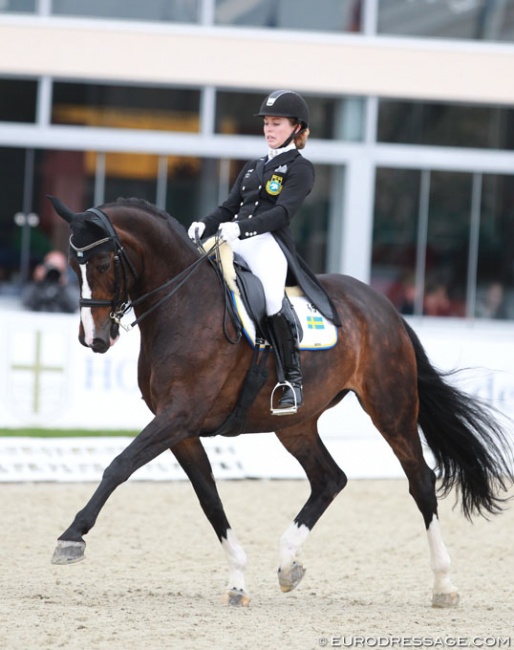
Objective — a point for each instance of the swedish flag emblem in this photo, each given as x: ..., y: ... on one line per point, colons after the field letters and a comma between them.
x: 315, y: 323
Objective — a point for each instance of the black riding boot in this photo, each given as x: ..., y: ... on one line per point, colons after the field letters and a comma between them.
x: 285, y: 340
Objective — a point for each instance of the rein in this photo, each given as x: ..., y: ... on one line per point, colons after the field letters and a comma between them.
x: 181, y: 278
x: 120, y: 307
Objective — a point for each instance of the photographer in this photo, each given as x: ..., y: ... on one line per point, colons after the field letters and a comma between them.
x: 50, y: 290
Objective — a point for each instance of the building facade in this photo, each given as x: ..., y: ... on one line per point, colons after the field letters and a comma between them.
x: 412, y: 129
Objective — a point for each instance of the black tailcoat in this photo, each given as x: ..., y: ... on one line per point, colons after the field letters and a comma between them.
x: 264, y: 198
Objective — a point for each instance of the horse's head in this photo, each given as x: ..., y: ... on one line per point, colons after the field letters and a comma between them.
x: 101, y: 265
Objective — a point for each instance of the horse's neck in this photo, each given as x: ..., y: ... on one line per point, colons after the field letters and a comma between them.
x: 161, y: 251
x: 164, y: 256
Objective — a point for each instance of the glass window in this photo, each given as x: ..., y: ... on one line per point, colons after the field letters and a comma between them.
x: 18, y: 100
x: 29, y: 227
x: 160, y: 10
x: 330, y: 117
x: 495, y: 272
x: 447, y: 251
x: 172, y: 182
x: 12, y: 170
x: 131, y: 174
x: 455, y: 19
x: 310, y: 225
x: 395, y: 235
x: 189, y: 180
x: 17, y: 6
x: 423, y: 258
x: 69, y: 175
x: 445, y: 125
x: 235, y: 113
x: 127, y: 107
x: 330, y: 15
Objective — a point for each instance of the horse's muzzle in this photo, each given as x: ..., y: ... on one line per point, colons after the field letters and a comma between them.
x: 100, y: 345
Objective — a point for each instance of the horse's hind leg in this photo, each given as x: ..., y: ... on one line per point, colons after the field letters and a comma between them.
x: 326, y: 480
x: 401, y: 433
x: 194, y: 461
x: 422, y: 488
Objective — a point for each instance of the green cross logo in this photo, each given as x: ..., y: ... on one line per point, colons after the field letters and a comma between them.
x: 37, y: 368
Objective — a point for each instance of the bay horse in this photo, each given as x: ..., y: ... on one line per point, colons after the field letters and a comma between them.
x: 192, y: 366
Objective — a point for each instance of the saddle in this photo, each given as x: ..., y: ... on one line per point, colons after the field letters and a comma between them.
x: 254, y: 301
x: 314, y: 331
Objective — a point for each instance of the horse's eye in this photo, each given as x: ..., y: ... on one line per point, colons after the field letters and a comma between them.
x: 103, y: 267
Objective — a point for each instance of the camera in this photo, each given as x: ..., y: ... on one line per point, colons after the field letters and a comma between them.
x: 52, y: 273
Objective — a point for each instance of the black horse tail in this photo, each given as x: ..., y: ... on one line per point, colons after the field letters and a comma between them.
x: 472, y: 452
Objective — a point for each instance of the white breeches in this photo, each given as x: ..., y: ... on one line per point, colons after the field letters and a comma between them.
x: 267, y: 261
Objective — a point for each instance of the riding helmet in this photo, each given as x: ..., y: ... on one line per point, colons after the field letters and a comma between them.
x: 286, y: 103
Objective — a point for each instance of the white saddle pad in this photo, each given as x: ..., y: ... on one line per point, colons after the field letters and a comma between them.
x: 318, y: 332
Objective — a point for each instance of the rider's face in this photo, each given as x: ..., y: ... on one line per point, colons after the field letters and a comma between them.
x: 277, y: 130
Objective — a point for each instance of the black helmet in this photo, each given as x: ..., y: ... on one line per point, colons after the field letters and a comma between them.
x: 286, y: 103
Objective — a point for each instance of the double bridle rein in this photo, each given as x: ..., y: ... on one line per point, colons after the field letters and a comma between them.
x: 122, y: 265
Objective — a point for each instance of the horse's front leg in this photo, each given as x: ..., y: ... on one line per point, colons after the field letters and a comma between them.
x: 326, y: 480
x: 152, y: 441
x: 194, y: 461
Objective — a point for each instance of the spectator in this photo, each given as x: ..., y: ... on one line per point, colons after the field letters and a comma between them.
x: 50, y: 290
x: 493, y: 303
x: 408, y: 299
x: 436, y: 301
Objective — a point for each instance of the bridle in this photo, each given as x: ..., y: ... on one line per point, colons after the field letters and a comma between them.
x: 122, y: 266
x: 119, y: 306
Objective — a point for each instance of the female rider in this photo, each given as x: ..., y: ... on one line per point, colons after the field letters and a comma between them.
x: 255, y: 219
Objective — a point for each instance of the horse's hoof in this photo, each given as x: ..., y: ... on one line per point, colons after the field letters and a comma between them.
x: 446, y: 600
x: 68, y: 552
x: 236, y: 598
x: 290, y: 578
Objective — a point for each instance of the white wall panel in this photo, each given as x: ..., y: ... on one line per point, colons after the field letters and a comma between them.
x: 311, y: 62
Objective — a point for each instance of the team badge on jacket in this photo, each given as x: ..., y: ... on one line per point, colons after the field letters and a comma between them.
x: 274, y: 185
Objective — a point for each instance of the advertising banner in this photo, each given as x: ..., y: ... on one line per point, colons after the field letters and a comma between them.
x: 48, y: 380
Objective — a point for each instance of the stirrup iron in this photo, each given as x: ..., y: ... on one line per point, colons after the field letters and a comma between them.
x: 288, y: 410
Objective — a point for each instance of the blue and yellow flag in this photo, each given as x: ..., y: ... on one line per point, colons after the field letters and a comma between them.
x: 315, y: 323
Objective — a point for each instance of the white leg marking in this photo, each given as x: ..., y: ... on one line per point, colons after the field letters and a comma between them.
x: 236, y: 558
x: 291, y: 544
x: 439, y: 559
x: 86, y: 317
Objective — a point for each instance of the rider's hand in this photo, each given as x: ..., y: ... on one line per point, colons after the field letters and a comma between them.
x: 229, y: 231
x: 196, y: 226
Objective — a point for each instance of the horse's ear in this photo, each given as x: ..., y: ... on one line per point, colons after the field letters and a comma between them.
x: 61, y: 209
